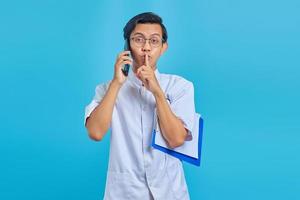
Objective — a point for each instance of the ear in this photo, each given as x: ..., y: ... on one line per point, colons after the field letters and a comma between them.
x: 164, y: 48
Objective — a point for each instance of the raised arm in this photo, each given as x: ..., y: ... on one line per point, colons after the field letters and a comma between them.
x: 99, y: 120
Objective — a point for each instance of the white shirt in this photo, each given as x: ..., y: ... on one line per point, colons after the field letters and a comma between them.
x: 136, y: 170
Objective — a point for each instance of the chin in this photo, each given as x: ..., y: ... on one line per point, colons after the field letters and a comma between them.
x: 138, y: 64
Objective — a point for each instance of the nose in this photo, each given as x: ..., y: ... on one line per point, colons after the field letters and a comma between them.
x: 146, y: 47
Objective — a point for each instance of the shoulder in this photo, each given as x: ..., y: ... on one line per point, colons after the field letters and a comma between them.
x: 175, y: 82
x: 100, y: 90
x: 102, y: 86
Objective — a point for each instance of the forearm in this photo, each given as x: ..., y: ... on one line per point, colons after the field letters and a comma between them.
x: 171, y: 127
x: 99, y: 121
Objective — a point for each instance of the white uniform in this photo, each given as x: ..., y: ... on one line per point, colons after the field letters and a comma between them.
x: 136, y: 170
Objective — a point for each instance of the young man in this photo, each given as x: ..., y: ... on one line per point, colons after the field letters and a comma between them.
x: 129, y: 106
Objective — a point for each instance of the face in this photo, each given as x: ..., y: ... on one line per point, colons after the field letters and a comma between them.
x: 138, y: 52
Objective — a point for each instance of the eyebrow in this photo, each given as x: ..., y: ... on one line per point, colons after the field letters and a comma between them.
x: 138, y: 33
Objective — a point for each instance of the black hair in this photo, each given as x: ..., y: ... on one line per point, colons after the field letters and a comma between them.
x: 144, y: 18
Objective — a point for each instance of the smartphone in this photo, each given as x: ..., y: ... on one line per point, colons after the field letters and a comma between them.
x: 126, y: 67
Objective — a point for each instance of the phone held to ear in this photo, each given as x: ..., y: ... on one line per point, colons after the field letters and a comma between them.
x: 126, y: 67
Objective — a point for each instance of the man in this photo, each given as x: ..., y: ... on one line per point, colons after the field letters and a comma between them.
x: 129, y: 106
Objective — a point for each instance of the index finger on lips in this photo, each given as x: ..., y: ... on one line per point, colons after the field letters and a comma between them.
x: 147, y: 60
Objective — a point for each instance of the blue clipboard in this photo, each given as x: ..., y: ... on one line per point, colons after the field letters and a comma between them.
x: 180, y: 156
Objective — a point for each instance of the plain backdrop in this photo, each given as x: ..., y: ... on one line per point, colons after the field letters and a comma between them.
x: 242, y: 56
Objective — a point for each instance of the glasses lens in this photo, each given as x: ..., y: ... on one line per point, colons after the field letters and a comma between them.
x: 140, y: 41
x: 155, y: 42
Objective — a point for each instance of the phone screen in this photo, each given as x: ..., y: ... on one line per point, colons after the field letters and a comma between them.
x: 126, y: 67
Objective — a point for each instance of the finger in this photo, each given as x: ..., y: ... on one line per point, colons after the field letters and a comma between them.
x: 127, y: 62
x: 144, y: 68
x: 125, y: 57
x: 120, y: 63
x: 145, y: 80
x: 139, y: 70
x: 146, y: 73
x: 123, y: 53
x: 139, y: 73
x: 147, y: 60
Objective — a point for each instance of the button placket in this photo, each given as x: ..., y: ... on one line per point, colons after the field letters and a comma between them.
x: 143, y: 94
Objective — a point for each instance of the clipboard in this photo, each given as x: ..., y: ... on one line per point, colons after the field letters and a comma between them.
x: 193, y: 155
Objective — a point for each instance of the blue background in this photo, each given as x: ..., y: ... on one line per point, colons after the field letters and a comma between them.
x: 242, y: 56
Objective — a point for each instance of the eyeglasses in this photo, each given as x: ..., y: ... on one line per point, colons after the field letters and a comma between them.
x: 140, y: 41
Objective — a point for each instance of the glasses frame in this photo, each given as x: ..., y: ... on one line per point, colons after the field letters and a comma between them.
x: 135, y: 44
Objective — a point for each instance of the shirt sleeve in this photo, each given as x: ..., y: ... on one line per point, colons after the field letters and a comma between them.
x: 181, y: 98
x: 100, y: 91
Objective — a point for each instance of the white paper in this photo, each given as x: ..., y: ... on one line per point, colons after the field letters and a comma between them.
x: 189, y: 148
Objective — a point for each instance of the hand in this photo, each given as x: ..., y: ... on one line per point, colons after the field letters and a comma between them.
x: 122, y: 59
x: 146, y: 74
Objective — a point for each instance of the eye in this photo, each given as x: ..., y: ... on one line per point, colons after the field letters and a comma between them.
x: 154, y: 41
x: 139, y: 40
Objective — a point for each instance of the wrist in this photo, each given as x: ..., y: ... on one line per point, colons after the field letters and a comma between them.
x: 159, y: 94
x: 116, y: 83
